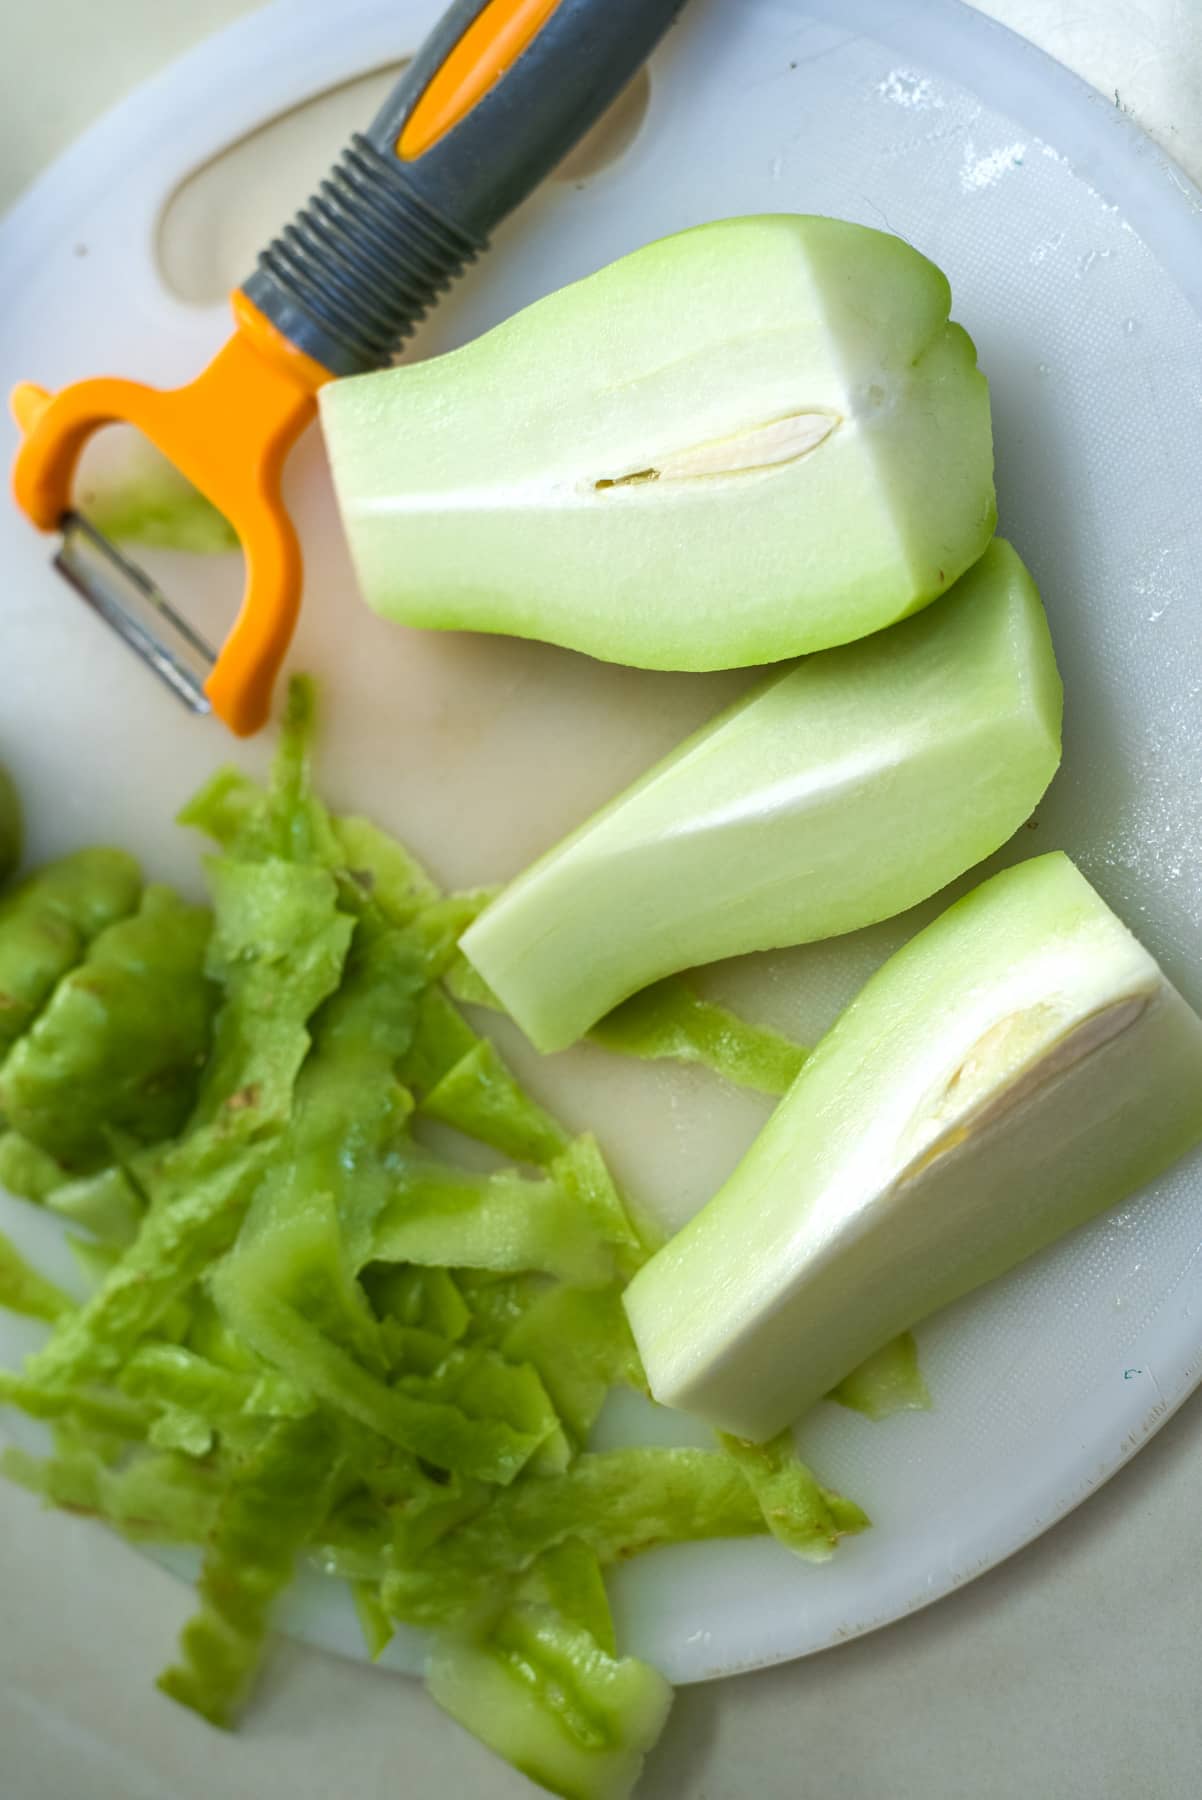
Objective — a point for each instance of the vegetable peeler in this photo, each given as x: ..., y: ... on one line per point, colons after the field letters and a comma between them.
x: 498, y: 95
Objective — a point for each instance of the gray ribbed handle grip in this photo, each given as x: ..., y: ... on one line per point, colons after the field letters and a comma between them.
x: 360, y: 265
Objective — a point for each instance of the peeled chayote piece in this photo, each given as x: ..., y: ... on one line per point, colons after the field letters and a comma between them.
x: 757, y: 438
x: 545, y: 1688
x: 839, y: 793
x: 1018, y: 1067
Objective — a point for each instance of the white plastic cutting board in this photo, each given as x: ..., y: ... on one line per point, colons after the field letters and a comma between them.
x: 1072, y: 250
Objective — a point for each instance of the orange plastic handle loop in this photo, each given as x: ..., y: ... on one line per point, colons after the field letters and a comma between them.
x: 229, y: 432
x: 488, y: 48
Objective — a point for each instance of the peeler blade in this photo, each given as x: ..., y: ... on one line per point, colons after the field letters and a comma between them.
x: 137, y: 609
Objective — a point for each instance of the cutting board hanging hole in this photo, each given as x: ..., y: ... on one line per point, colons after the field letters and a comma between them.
x: 220, y: 216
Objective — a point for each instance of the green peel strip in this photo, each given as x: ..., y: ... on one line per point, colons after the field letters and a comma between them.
x: 799, y: 1512
x: 269, y: 1511
x: 545, y: 1694
x: 670, y: 1020
x: 313, y: 1339
x: 889, y: 1382
x: 23, y: 1290
x: 619, y: 1504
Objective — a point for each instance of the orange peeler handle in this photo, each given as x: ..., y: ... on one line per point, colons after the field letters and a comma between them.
x: 500, y: 93
x: 229, y: 432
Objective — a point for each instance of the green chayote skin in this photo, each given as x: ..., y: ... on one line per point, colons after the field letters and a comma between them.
x: 48, y: 922
x: 10, y: 826
x: 119, y: 1046
x: 310, y: 1335
x: 26, y: 1170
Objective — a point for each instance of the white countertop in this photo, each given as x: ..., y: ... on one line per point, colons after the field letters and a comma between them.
x: 1071, y: 1673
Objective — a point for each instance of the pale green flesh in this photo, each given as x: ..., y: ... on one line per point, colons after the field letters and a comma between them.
x: 845, y: 475
x: 844, y: 791
x: 1020, y: 1066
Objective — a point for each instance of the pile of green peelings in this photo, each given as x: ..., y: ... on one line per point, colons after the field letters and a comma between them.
x: 311, y: 1339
